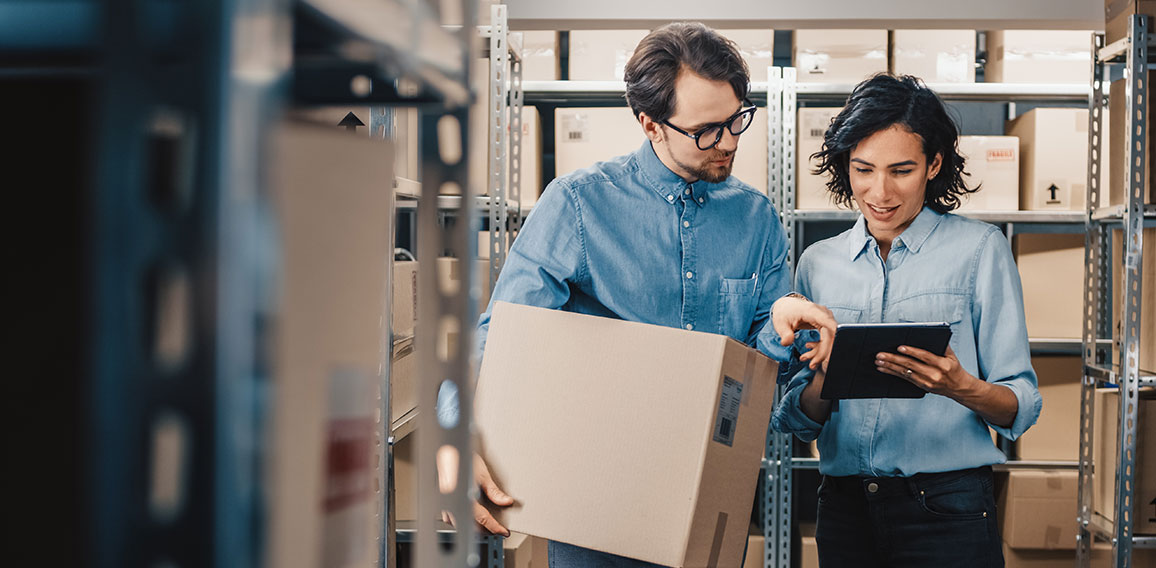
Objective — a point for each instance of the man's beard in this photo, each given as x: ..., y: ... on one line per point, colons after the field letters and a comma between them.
x: 705, y: 171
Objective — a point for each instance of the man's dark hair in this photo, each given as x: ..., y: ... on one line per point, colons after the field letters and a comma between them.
x: 662, y: 55
x: 879, y: 103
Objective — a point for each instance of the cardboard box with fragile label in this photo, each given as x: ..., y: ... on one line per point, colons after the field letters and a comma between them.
x: 840, y: 56
x: 936, y: 56
x: 1056, y: 434
x: 1106, y: 416
x: 1054, y: 158
x: 633, y: 439
x: 1038, y: 509
x: 1039, y: 56
x: 1051, y: 268
x: 811, y: 189
x: 993, y: 165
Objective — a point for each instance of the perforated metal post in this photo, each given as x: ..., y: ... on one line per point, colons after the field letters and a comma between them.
x: 1094, y: 309
x: 498, y: 141
x: 516, y: 103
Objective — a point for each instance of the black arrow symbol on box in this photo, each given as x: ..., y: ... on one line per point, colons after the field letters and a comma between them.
x: 1051, y: 188
x: 351, y: 122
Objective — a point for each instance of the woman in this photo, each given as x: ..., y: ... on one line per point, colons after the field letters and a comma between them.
x: 908, y: 482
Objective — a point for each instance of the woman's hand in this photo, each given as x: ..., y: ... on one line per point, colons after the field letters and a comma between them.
x: 997, y: 404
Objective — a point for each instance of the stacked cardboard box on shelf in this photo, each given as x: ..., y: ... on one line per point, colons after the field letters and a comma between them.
x: 811, y: 189
x: 1147, y: 295
x: 1056, y: 435
x: 601, y: 55
x: 840, y: 56
x: 1039, y: 56
x: 1106, y: 416
x: 1118, y: 141
x: 530, y: 185
x: 684, y: 503
x: 993, y: 166
x: 540, y: 56
x: 1054, y: 158
x: 1037, y: 509
x: 1118, y: 13
x: 1051, y: 268
x: 757, y: 48
x: 936, y: 56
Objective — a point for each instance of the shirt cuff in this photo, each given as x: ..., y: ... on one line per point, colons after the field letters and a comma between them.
x: 789, y: 417
x: 1029, y: 403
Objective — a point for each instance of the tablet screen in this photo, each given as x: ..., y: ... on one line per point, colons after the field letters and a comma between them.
x: 851, y: 371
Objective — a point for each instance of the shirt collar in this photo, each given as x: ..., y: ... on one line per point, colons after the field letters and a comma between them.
x: 668, y: 185
x: 912, y: 237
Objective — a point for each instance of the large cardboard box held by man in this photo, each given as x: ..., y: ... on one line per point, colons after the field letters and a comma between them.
x: 633, y: 439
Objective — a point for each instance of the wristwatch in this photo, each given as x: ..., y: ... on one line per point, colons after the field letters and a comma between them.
x: 797, y: 295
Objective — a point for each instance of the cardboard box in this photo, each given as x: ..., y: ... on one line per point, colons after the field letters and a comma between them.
x: 993, y: 163
x: 1038, y: 510
x: 404, y: 306
x: 628, y: 490
x: 840, y: 56
x: 757, y: 48
x: 936, y: 56
x: 1105, y: 466
x: 1039, y: 56
x: 756, y: 543
x: 1116, y: 151
x: 585, y: 136
x: 1118, y: 13
x: 525, y: 551
x: 405, y: 479
x: 403, y: 386
x: 809, y: 549
x: 1147, y: 347
x: 601, y: 55
x: 530, y: 185
x: 1056, y: 435
x: 540, y: 56
x: 1054, y: 158
x: 810, y: 189
x: 326, y: 341
x: 1101, y: 557
x: 1051, y: 268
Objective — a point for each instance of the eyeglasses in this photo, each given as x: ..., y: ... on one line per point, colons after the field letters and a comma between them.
x: 709, y: 136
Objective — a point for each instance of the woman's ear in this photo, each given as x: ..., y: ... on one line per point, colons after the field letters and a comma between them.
x: 934, y: 167
x: 652, y: 129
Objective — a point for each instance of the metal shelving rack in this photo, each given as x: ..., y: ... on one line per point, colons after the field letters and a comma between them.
x: 782, y: 95
x: 434, y: 208
x: 1132, y: 52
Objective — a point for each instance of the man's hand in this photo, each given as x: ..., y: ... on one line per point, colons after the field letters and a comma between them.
x: 793, y: 313
x: 447, y: 462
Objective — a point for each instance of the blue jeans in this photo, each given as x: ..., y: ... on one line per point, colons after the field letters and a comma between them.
x: 942, y: 520
x: 564, y: 555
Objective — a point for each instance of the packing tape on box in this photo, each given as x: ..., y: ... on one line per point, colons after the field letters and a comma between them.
x: 1054, y: 482
x: 1052, y: 536
x: 748, y: 374
x: 720, y: 529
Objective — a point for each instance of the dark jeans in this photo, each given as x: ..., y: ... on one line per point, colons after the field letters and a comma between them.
x: 564, y: 555
x: 938, y: 520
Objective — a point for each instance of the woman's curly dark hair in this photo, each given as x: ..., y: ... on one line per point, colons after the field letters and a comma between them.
x: 879, y: 103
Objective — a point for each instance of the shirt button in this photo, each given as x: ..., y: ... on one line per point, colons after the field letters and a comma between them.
x: 872, y: 487
x: 687, y: 191
x: 700, y: 200
x: 690, y: 327
x: 670, y: 198
x: 686, y: 223
x: 690, y: 275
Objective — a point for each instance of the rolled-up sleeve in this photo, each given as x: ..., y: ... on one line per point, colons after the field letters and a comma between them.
x: 1004, y: 353
x: 788, y: 417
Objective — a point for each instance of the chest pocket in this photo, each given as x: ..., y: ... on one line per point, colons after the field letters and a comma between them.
x: 737, y: 306
x: 935, y: 307
x: 846, y: 315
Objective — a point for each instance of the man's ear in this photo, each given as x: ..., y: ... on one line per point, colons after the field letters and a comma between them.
x: 652, y: 129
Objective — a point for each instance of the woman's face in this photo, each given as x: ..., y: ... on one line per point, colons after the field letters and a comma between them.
x: 889, y: 174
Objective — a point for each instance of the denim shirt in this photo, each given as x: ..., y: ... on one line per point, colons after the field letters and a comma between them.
x: 943, y: 267
x: 629, y: 239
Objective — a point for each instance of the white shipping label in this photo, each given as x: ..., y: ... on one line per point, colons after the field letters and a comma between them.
x: 727, y: 417
x: 575, y: 127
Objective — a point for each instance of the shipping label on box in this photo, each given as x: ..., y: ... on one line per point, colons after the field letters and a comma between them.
x: 811, y: 189
x: 593, y: 404
x: 993, y: 165
x: 1051, y: 268
x: 1038, y: 510
x: 840, y: 56
x: 936, y: 56
x: 1106, y: 464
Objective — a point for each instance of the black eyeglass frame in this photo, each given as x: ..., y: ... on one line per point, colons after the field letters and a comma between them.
x: 750, y: 108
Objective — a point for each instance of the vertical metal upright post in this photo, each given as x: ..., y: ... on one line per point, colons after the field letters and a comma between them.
x: 498, y: 140
x: 1136, y: 74
x: 516, y: 103
x: 381, y: 126
x: 790, y: 106
x: 1094, y: 298
x: 443, y: 366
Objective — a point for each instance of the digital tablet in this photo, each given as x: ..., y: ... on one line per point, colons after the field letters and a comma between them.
x: 851, y: 371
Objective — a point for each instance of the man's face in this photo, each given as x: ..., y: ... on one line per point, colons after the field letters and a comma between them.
x: 697, y: 103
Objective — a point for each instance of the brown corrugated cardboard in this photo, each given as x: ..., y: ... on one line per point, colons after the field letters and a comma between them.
x: 584, y: 136
x: 757, y: 48
x: 810, y: 189
x: 1038, y: 510
x: 404, y: 480
x: 1147, y: 331
x: 402, y: 379
x: 1051, y: 270
x: 756, y: 542
x: 404, y: 306
x: 1056, y: 434
x: 993, y: 162
x: 1117, y: 16
x: 540, y: 56
x: 1039, y: 56
x: 1117, y: 147
x: 1054, y: 158
x: 1106, y: 419
x: 840, y: 56
x: 327, y: 340
x: 601, y: 55
x: 1101, y: 557
x: 524, y: 551
x: 936, y: 56
x: 809, y: 555
x: 618, y: 393
x: 530, y: 186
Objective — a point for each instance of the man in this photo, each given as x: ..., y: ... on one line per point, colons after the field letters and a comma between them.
x: 663, y: 235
